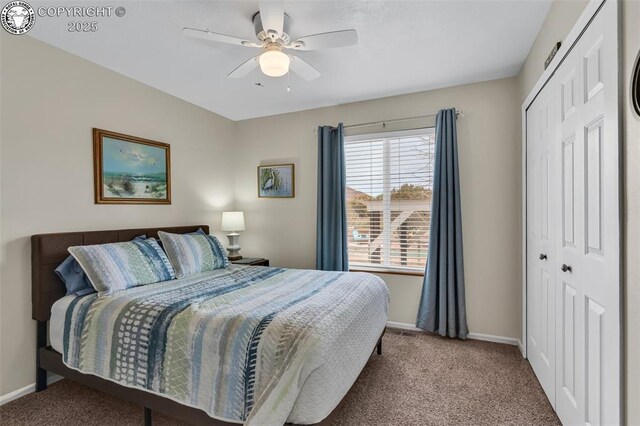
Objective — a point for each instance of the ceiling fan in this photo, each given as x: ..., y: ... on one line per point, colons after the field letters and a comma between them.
x: 272, y: 28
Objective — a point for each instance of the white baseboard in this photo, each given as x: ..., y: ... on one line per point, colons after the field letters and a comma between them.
x: 495, y: 339
x: 51, y: 378
x: 474, y: 336
x: 521, y: 347
x: 402, y: 326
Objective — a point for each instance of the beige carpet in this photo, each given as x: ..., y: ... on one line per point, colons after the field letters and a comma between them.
x: 419, y: 380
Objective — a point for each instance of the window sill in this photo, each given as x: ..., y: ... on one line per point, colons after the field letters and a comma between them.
x: 391, y: 271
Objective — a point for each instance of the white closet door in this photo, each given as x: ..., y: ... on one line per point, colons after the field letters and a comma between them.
x: 573, y: 297
x: 570, y: 151
x: 599, y: 262
x: 541, y: 242
x: 588, y: 311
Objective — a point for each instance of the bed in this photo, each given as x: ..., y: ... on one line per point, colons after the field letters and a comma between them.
x: 246, y: 344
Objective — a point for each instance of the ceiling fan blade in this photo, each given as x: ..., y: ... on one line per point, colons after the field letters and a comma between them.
x: 220, y: 38
x: 326, y: 40
x: 272, y: 16
x: 303, y: 68
x: 245, y: 68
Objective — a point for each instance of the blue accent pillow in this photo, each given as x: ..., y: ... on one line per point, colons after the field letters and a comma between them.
x: 74, y: 278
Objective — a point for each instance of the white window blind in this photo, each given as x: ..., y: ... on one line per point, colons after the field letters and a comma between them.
x: 389, y: 187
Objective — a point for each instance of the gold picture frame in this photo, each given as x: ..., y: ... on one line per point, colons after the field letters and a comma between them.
x: 130, y: 170
x: 276, y: 181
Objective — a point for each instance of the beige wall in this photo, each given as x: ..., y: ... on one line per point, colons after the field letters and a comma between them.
x: 50, y: 101
x: 631, y: 132
x: 50, y: 121
x: 488, y: 137
x: 560, y: 20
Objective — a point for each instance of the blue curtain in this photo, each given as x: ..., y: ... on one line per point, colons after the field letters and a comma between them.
x: 442, y: 304
x: 331, y: 233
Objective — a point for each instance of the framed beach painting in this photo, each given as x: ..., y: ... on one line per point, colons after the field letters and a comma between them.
x: 130, y: 170
x: 277, y: 181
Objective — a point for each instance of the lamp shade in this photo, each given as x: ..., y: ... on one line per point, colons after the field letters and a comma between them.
x: 274, y: 63
x: 232, y: 221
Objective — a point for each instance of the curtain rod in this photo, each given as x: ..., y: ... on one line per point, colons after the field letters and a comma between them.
x: 459, y: 113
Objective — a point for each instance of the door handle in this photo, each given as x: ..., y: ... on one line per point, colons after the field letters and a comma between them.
x: 566, y: 268
x: 542, y: 256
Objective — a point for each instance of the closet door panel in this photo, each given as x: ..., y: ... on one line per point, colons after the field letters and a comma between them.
x: 594, y: 368
x: 592, y: 68
x: 601, y: 247
x: 569, y: 312
x: 541, y: 329
x: 594, y: 190
x: 568, y: 370
x: 568, y: 193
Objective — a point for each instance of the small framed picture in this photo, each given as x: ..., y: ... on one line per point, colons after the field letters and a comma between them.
x: 277, y: 181
x: 130, y: 170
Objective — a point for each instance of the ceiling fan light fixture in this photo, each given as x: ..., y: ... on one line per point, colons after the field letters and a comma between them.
x: 272, y: 28
x: 274, y: 63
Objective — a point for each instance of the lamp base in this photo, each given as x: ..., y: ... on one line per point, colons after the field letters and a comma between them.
x: 234, y: 246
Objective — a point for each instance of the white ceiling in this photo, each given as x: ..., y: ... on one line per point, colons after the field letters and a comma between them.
x: 404, y: 47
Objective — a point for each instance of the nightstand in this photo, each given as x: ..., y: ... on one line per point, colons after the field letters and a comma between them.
x: 255, y: 261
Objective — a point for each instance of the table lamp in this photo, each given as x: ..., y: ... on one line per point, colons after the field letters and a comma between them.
x: 233, y: 222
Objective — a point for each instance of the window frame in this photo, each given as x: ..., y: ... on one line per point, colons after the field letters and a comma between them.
x: 348, y: 139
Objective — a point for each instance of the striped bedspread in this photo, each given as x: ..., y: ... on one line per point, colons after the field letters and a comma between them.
x: 245, y: 344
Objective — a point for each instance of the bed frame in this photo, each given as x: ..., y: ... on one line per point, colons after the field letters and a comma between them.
x: 47, y: 252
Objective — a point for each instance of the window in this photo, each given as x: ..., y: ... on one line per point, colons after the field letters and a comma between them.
x: 389, y: 186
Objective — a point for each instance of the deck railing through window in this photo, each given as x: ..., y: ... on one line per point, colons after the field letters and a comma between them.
x: 389, y: 186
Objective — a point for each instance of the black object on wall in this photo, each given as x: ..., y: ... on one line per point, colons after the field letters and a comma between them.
x: 635, y: 86
x: 552, y: 54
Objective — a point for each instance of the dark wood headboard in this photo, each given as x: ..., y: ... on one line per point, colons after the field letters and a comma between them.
x: 49, y: 250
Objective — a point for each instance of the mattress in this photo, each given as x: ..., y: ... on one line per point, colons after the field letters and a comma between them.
x: 246, y: 344
x: 56, y: 323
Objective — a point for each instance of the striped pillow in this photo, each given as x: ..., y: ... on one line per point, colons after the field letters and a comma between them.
x: 191, y: 253
x: 118, y: 266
